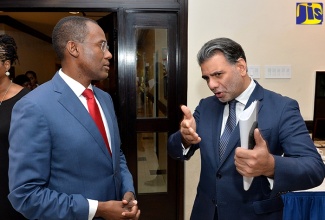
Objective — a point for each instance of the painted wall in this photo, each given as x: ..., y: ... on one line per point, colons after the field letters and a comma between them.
x: 33, y: 54
x: 268, y: 33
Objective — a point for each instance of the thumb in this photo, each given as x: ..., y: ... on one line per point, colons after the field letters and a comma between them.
x: 258, y: 138
x: 186, y: 111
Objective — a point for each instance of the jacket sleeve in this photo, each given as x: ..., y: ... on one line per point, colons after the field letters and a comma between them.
x: 29, y: 169
x: 298, y: 165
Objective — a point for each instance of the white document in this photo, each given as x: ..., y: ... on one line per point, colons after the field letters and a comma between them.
x: 247, y: 123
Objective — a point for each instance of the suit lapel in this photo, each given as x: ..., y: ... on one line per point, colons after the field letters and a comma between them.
x: 257, y: 94
x: 73, y: 105
x: 107, y: 109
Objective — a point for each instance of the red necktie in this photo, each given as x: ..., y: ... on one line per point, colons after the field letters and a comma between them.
x: 95, y: 114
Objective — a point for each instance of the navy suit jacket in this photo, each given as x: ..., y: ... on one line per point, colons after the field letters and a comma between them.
x: 58, y: 158
x: 298, y: 165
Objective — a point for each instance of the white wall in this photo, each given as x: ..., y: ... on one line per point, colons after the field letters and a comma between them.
x: 269, y: 35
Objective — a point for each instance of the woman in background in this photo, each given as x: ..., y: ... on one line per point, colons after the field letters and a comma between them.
x: 10, y: 93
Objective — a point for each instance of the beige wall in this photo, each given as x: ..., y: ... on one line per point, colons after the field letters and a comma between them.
x: 268, y: 33
x: 34, y: 54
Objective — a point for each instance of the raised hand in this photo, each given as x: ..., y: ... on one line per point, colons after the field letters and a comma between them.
x: 188, y: 128
x: 255, y: 162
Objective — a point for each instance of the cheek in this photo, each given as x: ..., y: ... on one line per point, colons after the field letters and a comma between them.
x: 213, y: 82
x: 235, y: 84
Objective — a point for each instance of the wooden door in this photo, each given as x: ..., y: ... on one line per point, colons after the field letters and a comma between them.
x: 149, y: 110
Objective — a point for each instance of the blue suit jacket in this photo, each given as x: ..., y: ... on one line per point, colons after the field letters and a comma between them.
x: 58, y: 158
x: 220, y: 185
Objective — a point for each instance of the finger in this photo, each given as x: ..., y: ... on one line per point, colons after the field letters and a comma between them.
x: 138, y: 214
x: 185, y: 124
x: 124, y: 202
x: 241, y: 153
x: 131, y: 213
x: 186, y: 111
x: 260, y: 142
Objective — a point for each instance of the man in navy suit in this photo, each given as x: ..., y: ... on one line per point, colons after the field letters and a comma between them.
x: 283, y: 159
x: 60, y: 166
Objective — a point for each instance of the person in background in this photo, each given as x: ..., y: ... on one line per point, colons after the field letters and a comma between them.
x: 33, y: 78
x: 283, y: 159
x: 10, y: 93
x: 23, y: 80
x: 61, y: 164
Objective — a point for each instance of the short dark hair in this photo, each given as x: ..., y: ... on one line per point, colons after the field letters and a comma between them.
x: 31, y: 72
x: 8, y: 49
x: 71, y: 28
x: 21, y: 79
x: 231, y: 50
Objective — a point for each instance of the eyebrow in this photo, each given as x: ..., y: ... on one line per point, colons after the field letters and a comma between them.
x: 205, y: 77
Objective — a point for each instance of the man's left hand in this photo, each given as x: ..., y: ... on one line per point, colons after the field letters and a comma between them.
x: 255, y: 162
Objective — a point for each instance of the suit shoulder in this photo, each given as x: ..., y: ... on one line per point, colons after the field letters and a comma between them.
x: 40, y: 91
x: 210, y: 99
x: 278, y: 98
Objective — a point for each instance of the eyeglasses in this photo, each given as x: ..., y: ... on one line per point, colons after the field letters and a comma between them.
x: 103, y: 45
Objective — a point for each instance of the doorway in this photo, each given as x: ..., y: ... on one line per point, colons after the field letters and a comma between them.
x: 146, y: 88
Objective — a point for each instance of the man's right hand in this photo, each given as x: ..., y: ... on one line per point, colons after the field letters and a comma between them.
x: 115, y: 210
x: 188, y: 128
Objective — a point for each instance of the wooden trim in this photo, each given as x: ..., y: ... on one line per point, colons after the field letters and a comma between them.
x: 37, y: 5
x: 310, y: 125
x: 5, y: 19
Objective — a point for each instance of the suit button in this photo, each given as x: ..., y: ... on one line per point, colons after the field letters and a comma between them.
x: 219, y: 175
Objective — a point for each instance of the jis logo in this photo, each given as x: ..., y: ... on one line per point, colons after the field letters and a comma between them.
x: 309, y: 13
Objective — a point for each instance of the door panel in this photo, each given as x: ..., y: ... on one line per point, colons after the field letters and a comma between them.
x: 149, y: 110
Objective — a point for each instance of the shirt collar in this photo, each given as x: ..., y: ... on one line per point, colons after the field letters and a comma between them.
x: 244, y: 96
x: 76, y: 87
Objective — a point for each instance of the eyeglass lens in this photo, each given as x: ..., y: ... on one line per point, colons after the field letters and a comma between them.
x: 104, y: 46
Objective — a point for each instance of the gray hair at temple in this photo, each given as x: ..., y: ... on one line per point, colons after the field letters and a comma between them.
x: 231, y: 50
x: 71, y: 28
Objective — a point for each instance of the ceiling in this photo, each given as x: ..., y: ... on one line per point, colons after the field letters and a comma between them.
x: 45, y: 21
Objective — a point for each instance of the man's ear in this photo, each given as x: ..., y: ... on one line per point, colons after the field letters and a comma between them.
x: 72, y: 48
x: 242, y: 66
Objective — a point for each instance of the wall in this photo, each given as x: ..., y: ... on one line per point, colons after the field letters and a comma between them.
x: 268, y: 33
x: 34, y: 54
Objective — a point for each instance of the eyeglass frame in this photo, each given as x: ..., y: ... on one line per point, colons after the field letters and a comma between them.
x: 103, y: 45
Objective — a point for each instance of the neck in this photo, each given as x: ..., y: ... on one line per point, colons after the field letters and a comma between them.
x: 4, y: 83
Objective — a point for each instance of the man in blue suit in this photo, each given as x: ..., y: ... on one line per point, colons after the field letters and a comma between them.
x: 283, y: 159
x: 60, y: 166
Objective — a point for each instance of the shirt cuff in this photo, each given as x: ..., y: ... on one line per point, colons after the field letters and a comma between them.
x: 271, y: 181
x: 185, y: 150
x: 93, y: 204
